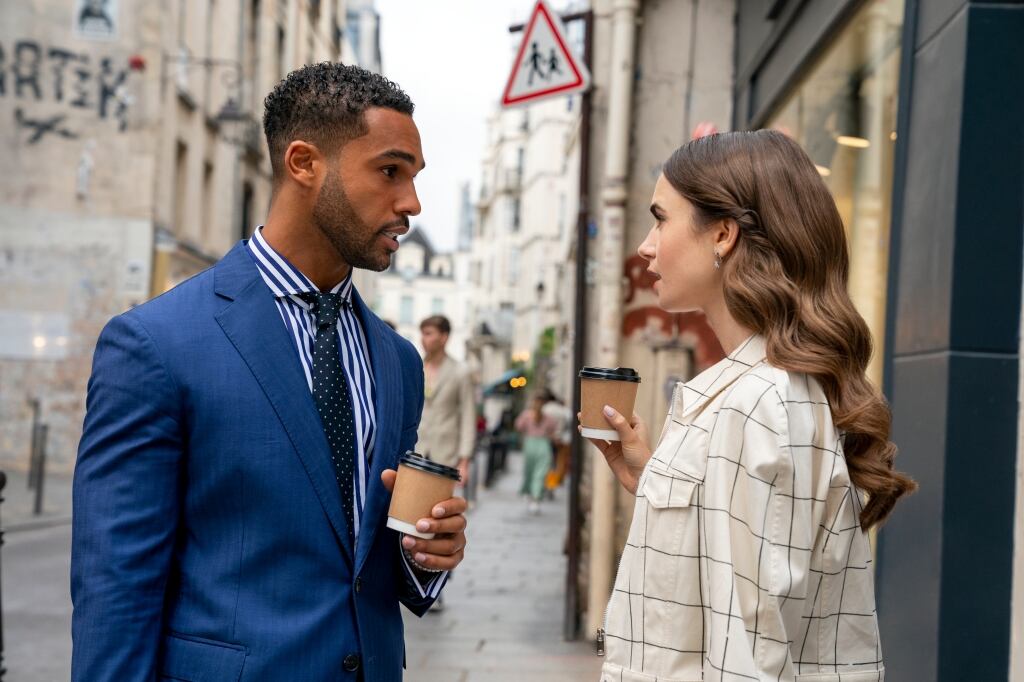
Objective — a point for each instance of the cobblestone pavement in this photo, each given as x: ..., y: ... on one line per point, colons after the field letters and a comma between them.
x: 502, y: 620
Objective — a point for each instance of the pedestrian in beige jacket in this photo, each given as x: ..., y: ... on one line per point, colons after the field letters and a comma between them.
x: 748, y: 556
x: 447, y: 432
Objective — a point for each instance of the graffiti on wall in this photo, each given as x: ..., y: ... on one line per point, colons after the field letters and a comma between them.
x: 96, y: 19
x: 31, y: 73
x: 651, y: 319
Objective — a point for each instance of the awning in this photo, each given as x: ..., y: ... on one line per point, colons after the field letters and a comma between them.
x: 500, y: 386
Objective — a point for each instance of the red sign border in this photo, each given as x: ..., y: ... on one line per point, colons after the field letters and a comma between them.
x: 539, y: 8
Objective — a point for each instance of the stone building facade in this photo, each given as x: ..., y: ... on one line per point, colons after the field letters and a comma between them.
x: 135, y: 159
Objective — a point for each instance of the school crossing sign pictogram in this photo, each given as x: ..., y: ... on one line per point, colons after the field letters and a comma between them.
x: 544, y: 65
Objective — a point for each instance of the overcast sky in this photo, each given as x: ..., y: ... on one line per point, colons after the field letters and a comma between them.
x: 453, y: 58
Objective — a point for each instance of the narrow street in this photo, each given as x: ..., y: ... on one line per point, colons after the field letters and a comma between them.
x: 37, y: 604
x: 502, y: 620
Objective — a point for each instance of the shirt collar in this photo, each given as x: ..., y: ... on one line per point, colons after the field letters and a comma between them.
x: 696, y: 393
x: 284, y: 279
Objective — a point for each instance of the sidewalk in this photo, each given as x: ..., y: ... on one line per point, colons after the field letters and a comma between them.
x: 503, y: 615
x: 16, y: 512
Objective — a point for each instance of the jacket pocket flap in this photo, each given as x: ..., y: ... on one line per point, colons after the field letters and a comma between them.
x: 200, y: 660
x: 666, y: 490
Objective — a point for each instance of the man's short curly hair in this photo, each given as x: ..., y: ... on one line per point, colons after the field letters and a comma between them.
x: 324, y: 104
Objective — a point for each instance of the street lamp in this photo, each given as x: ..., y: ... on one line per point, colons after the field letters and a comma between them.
x: 231, y: 77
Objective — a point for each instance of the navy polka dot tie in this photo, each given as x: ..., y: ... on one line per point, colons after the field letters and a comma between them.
x: 332, y: 396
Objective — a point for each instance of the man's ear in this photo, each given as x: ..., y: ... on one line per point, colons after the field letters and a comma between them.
x: 304, y: 164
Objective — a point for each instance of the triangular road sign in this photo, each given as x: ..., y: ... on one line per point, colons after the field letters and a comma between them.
x: 544, y: 65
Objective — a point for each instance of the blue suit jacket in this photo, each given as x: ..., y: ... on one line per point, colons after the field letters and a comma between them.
x: 208, y: 538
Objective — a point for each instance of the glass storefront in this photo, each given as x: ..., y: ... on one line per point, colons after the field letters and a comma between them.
x: 843, y: 112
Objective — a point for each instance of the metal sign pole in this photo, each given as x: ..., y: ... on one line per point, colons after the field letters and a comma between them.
x: 571, y: 624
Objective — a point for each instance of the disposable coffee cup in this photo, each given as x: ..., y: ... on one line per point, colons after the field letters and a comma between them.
x: 600, y: 386
x: 420, y: 485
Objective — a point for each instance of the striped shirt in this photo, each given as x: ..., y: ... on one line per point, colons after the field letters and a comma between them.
x: 286, y: 282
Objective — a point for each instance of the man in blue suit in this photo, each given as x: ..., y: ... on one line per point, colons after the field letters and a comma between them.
x: 242, y: 431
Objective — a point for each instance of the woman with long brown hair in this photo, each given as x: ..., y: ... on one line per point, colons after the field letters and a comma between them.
x: 748, y: 555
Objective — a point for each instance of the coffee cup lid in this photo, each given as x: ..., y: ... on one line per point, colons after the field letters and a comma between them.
x: 418, y: 461
x: 617, y: 374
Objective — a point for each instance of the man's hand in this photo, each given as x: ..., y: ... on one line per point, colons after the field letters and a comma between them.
x: 448, y: 524
x: 627, y: 456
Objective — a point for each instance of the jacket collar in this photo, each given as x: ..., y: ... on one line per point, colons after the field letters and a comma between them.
x: 444, y: 374
x: 692, y: 396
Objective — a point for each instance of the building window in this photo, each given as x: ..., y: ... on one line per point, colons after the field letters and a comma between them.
x: 437, y: 306
x: 514, y: 209
x: 252, y: 51
x: 245, y: 229
x: 211, y: 22
x: 843, y: 113
x: 280, y: 52
x: 513, y: 266
x: 208, y: 199
x: 180, y: 187
x: 352, y: 27
x: 405, y: 310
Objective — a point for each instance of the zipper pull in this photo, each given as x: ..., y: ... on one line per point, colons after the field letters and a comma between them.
x: 600, y: 641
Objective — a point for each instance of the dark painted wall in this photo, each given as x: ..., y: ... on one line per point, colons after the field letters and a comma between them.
x: 946, y: 557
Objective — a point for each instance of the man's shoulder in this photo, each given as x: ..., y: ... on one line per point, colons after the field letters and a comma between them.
x: 177, y: 304
x: 458, y: 367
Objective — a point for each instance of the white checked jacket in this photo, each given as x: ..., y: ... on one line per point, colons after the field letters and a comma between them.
x: 745, y: 558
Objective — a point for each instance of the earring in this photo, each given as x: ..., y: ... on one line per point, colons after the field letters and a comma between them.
x: 718, y: 260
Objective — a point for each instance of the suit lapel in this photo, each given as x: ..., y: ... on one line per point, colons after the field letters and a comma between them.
x: 253, y: 324
x: 388, y: 410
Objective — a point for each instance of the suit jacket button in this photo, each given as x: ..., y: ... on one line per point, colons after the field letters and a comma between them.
x: 351, y: 663
x: 359, y: 584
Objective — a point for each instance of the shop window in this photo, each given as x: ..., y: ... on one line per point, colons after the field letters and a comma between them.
x: 843, y: 113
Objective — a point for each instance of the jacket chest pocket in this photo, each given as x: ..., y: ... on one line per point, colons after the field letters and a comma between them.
x: 670, y: 543
x: 682, y: 450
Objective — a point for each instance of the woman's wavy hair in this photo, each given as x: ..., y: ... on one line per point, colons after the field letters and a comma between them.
x: 786, y: 279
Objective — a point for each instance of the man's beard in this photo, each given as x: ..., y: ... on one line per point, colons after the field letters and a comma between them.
x: 353, y: 239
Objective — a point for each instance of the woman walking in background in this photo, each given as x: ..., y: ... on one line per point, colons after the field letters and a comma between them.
x: 748, y: 555
x: 537, y: 430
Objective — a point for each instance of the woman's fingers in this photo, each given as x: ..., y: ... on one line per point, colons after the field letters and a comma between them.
x: 619, y: 423
x: 640, y: 426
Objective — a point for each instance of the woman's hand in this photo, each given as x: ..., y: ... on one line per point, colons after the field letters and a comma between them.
x: 627, y: 456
